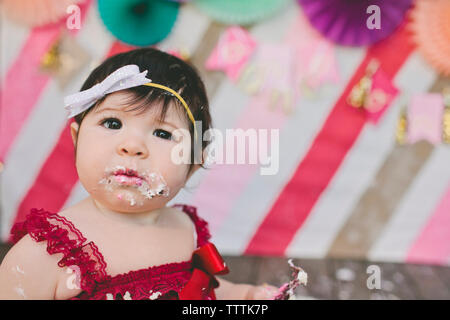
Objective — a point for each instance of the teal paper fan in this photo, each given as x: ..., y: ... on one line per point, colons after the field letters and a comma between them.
x: 139, y: 22
x: 242, y: 12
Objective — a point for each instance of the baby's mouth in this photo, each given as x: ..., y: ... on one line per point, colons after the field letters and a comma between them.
x: 128, y: 177
x: 148, y: 183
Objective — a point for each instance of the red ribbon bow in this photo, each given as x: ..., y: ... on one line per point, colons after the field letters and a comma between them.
x: 207, y: 263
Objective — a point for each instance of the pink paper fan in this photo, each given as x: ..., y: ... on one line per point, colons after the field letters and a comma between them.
x: 345, y: 21
x: 431, y: 27
x: 36, y: 12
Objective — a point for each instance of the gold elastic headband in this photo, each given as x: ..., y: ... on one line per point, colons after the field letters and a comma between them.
x: 191, y: 117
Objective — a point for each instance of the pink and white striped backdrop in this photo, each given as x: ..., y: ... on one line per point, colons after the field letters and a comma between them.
x: 344, y: 188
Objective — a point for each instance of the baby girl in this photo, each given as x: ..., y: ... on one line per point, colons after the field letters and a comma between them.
x: 123, y: 241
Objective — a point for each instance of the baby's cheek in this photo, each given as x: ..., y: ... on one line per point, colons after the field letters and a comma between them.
x: 175, y: 176
x: 89, y: 174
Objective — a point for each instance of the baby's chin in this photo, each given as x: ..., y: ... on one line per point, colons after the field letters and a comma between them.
x: 129, y: 201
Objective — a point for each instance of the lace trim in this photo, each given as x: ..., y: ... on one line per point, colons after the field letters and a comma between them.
x: 63, y: 237
x: 201, y: 225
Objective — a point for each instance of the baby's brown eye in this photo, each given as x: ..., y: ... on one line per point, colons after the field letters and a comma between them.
x: 112, y: 123
x: 162, y: 134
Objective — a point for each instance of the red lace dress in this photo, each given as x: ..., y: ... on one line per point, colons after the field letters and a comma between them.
x: 193, y: 279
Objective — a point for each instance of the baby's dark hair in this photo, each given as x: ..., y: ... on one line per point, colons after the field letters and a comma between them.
x: 164, y: 69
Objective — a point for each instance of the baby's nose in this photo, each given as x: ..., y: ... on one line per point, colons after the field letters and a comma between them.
x: 133, y: 148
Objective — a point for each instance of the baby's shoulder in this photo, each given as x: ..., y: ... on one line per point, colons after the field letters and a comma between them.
x: 30, y: 265
x: 189, y: 217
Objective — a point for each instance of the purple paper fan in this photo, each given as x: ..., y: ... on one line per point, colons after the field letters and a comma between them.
x: 345, y: 21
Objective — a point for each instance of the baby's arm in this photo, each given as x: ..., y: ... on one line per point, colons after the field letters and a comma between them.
x: 29, y: 272
x: 234, y: 291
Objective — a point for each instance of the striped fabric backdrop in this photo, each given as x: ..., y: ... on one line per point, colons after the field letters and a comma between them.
x: 344, y: 188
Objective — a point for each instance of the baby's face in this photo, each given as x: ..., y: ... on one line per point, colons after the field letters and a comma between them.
x: 124, y: 158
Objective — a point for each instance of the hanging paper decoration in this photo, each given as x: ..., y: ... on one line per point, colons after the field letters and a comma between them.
x: 381, y: 96
x: 345, y: 22
x: 360, y: 92
x: 232, y: 52
x: 270, y: 74
x: 139, y: 22
x: 315, y: 60
x: 278, y: 73
x: 373, y: 93
x: 425, y: 116
x: 64, y: 59
x: 322, y: 66
x: 241, y: 12
x: 36, y: 12
x: 431, y: 27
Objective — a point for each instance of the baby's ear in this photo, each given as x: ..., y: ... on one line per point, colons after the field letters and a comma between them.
x: 74, y: 131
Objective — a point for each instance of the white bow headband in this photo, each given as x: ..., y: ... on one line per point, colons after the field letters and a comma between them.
x: 123, y: 78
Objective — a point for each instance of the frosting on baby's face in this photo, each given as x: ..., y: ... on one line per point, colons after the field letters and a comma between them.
x: 124, y: 157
